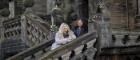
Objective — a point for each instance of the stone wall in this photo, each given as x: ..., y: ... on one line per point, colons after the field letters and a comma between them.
x: 40, y: 7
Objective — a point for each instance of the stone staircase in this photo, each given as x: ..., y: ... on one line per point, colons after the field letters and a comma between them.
x: 23, y: 32
x: 71, y: 51
x: 81, y: 48
x: 32, y: 25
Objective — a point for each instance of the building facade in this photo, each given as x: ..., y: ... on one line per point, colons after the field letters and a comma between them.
x: 122, y: 27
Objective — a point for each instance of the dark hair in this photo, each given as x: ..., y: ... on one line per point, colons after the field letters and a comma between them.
x: 78, y: 19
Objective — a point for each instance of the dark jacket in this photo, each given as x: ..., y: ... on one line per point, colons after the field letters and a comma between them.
x: 82, y: 31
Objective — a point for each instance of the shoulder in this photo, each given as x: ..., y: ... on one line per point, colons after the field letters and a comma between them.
x: 58, y: 34
x: 71, y: 32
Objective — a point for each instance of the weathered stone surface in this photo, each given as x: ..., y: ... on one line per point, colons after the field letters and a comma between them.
x: 3, y: 4
x: 28, y: 3
x: 78, y: 57
x: 66, y: 56
x: 50, y: 4
x: 4, y: 12
x: 90, y: 53
x: 139, y: 6
x: 91, y: 43
x: 12, y: 9
x: 40, y: 7
x: 78, y: 50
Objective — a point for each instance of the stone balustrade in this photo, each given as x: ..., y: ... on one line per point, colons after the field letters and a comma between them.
x: 12, y: 27
x: 125, y: 39
x: 123, y: 43
x: 36, y: 31
x: 74, y: 49
x: 29, y: 30
x: 33, y: 53
x: 81, y: 48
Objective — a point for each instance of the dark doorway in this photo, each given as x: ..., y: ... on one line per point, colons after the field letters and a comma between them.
x: 83, y: 9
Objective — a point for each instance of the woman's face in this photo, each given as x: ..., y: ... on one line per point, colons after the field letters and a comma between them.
x: 65, y: 29
x: 79, y: 23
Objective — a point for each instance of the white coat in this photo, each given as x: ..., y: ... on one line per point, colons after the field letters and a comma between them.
x: 60, y: 40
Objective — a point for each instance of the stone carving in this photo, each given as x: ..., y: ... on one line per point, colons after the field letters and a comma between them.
x: 57, y: 15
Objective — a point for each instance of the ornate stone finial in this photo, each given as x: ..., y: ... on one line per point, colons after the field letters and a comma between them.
x: 101, y: 8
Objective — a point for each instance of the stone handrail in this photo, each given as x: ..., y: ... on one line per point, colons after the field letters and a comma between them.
x: 125, y: 40
x: 20, y: 31
x: 37, y: 19
x: 11, y: 25
x: 19, y: 26
x: 36, y: 52
x: 77, y: 46
x: 38, y: 30
x: 126, y: 43
x: 32, y: 51
x: 45, y: 28
x: 40, y: 47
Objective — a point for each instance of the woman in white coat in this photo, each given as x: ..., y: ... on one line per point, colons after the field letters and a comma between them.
x: 63, y: 36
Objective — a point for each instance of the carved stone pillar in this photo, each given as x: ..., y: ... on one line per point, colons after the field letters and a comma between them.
x: 50, y: 5
x: 1, y: 38
x: 138, y: 6
x: 12, y: 9
x: 92, y: 10
x: 103, y: 30
x: 24, y: 37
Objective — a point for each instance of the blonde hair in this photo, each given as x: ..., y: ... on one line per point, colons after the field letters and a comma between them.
x: 62, y: 26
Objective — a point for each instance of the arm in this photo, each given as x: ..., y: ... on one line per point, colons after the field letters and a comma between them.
x: 60, y: 40
x: 72, y: 36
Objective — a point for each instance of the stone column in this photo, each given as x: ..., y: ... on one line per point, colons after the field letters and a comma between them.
x: 50, y: 5
x: 24, y: 37
x: 12, y: 9
x: 103, y: 30
x: 92, y: 11
x: 1, y: 38
x: 138, y: 6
